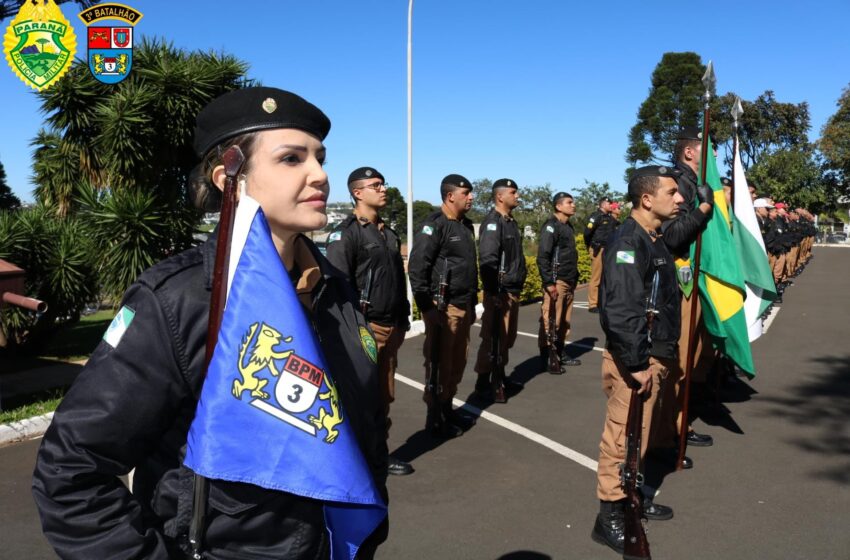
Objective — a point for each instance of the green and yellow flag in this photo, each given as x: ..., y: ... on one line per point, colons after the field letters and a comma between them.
x: 721, y: 280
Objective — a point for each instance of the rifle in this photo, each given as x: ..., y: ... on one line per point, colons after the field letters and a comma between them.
x: 498, y: 380
x: 233, y: 159
x: 635, y: 545
x: 365, y: 294
x: 435, y: 419
x: 552, y: 337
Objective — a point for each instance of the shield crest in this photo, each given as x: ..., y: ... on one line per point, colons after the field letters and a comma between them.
x: 298, y: 385
x: 110, y: 53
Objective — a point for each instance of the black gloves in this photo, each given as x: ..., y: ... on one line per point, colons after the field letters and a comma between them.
x: 705, y: 195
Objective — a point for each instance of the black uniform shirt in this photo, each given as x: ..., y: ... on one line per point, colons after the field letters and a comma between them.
x: 499, y: 235
x: 630, y: 262
x: 599, y: 228
x: 555, y: 234
x: 682, y: 230
x: 443, y: 245
x: 360, y: 248
x: 132, y: 406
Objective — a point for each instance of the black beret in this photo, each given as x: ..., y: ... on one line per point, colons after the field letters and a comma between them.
x: 456, y: 181
x: 726, y: 182
x: 364, y: 173
x: 653, y: 171
x: 604, y: 199
x: 504, y: 183
x: 559, y: 195
x: 256, y: 108
x: 690, y: 133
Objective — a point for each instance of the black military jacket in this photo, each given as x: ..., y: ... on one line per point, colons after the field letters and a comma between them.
x: 682, y: 230
x: 599, y: 228
x: 358, y: 248
x: 555, y: 234
x: 768, y: 233
x: 630, y: 262
x: 783, y: 236
x: 443, y: 246
x: 132, y: 405
x: 500, y: 235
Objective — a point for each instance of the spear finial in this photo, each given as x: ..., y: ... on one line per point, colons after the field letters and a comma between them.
x: 709, y: 81
x: 737, y: 111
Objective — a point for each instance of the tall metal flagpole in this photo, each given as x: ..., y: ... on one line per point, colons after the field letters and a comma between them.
x: 409, y: 147
x: 709, y: 82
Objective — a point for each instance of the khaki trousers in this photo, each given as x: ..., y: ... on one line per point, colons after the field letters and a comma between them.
x: 791, y: 261
x: 778, y: 268
x: 612, y: 448
x: 388, y: 340
x: 595, y: 277
x: 454, y: 348
x: 508, y: 315
x: 563, y: 314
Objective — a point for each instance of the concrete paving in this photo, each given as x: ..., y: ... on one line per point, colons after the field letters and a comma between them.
x: 776, y: 484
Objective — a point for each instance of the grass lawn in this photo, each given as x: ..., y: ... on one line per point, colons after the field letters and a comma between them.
x: 72, y: 343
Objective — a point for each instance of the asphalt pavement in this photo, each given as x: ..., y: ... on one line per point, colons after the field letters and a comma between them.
x: 520, y: 484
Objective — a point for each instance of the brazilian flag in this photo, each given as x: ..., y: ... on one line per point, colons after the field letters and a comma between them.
x: 721, y: 280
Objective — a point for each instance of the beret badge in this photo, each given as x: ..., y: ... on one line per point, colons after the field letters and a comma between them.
x: 368, y: 172
x: 269, y: 105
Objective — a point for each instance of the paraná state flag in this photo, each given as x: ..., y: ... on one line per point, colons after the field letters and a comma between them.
x: 758, y: 278
x: 270, y: 413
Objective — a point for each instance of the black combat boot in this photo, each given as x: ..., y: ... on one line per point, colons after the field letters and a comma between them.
x: 455, y: 418
x: 483, y: 388
x: 610, y: 525
x: 438, y: 425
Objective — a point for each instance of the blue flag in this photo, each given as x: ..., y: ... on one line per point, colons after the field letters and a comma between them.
x: 269, y: 412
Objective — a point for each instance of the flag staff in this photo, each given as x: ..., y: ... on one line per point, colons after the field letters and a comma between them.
x: 409, y: 147
x: 709, y: 80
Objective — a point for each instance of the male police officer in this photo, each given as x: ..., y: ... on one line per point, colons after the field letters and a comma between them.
x: 599, y: 228
x: 502, y: 268
x: 557, y: 262
x: 444, y: 253
x: 678, y: 235
x: 634, y: 354
x: 368, y: 251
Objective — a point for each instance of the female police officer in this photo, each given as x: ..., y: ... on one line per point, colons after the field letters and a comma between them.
x: 133, y: 403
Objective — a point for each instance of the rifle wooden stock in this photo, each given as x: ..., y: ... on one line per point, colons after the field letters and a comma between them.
x: 434, y: 418
x: 498, y: 380
x: 554, y: 365
x: 635, y: 544
x: 233, y: 160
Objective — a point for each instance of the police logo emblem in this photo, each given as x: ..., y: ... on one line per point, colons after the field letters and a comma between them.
x: 110, y: 48
x: 299, y: 384
x: 269, y: 105
x: 40, y: 44
x: 368, y: 343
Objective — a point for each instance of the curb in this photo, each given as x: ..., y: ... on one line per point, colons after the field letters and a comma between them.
x: 27, y: 428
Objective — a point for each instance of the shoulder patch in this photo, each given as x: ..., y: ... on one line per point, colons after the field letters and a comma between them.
x: 590, y: 224
x: 592, y: 219
x: 335, y: 236
x: 427, y: 230
x: 625, y: 257
x: 491, y: 227
x: 119, y: 325
x: 369, y: 345
x: 550, y: 229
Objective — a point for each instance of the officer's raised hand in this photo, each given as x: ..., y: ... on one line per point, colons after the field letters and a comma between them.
x: 705, y: 198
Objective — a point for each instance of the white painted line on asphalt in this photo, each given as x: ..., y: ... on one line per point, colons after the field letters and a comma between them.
x: 767, y: 322
x: 558, y: 448
x: 576, y: 344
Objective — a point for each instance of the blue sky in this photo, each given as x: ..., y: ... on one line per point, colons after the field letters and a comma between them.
x: 540, y: 91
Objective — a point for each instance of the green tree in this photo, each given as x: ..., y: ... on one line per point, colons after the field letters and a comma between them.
x: 793, y: 176
x: 535, y: 206
x: 767, y: 126
x: 8, y: 200
x: 482, y: 199
x: 674, y: 101
x: 835, y: 142
x: 588, y: 200
x: 421, y: 209
x: 395, y: 212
